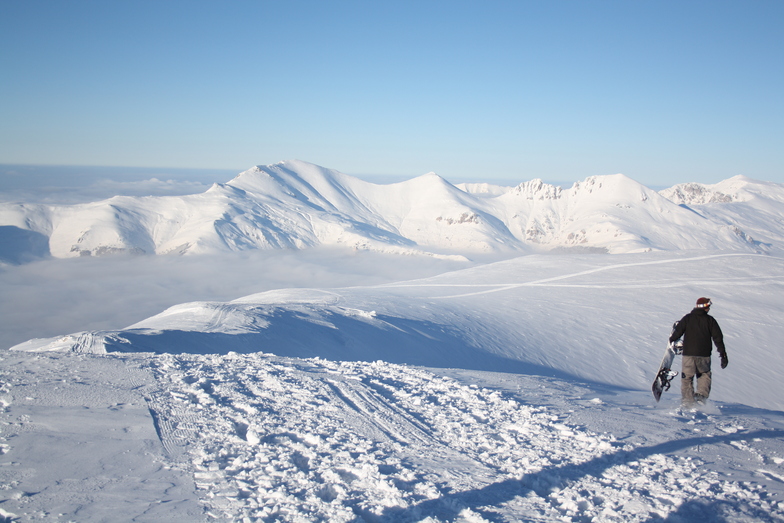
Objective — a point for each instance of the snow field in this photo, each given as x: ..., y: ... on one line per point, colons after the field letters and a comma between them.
x: 596, y: 318
x: 78, y: 444
x: 272, y: 439
x: 516, y: 391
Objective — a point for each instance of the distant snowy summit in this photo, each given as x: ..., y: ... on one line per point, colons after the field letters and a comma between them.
x: 295, y: 205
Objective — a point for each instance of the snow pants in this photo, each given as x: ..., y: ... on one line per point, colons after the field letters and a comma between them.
x: 700, y: 367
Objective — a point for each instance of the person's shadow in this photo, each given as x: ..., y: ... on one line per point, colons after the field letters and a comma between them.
x: 543, y: 482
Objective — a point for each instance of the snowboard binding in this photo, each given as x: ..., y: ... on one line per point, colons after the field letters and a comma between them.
x: 665, y: 377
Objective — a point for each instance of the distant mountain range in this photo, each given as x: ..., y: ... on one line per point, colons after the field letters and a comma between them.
x: 295, y: 205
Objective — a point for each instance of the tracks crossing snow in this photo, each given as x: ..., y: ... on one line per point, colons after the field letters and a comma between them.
x: 489, y: 288
x: 287, y: 439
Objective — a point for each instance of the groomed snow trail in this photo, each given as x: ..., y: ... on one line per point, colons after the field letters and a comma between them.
x: 277, y: 439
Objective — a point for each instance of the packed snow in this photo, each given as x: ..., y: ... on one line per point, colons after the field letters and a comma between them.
x: 513, y: 390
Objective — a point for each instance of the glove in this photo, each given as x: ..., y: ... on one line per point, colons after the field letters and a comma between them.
x: 724, y: 361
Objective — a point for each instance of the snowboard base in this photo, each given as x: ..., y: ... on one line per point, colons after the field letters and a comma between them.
x: 665, y: 374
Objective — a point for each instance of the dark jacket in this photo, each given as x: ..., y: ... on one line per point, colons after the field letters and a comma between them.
x: 698, y: 328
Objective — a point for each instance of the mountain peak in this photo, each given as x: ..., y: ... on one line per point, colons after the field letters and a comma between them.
x: 430, y: 177
x: 607, y: 180
x: 536, y: 189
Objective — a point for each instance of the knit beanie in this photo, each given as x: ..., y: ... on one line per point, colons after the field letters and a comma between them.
x: 703, y: 303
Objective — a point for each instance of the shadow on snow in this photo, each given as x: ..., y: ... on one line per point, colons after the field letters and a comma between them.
x: 338, y: 337
x: 544, y: 482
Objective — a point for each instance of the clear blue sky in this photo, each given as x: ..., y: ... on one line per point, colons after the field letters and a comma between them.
x: 662, y: 91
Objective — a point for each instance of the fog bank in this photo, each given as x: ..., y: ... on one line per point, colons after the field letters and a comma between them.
x: 52, y: 297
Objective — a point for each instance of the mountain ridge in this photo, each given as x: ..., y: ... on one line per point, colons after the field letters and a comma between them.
x: 296, y: 204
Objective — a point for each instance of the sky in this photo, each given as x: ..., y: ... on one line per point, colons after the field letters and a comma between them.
x: 665, y: 92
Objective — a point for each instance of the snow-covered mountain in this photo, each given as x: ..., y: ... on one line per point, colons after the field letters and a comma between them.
x: 751, y: 209
x: 296, y: 205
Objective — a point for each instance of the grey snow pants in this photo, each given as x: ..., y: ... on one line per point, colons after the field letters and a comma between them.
x: 699, y: 366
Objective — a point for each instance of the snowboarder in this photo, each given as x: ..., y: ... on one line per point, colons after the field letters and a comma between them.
x: 698, y: 329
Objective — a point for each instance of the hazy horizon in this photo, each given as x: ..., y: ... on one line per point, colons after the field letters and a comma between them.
x: 67, y: 184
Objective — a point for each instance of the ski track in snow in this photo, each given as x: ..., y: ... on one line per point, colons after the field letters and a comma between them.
x: 273, y: 439
x: 548, y: 282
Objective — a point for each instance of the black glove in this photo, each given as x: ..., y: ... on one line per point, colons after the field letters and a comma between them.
x: 724, y: 361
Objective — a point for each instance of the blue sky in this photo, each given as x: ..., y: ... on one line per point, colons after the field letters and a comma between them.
x: 662, y: 91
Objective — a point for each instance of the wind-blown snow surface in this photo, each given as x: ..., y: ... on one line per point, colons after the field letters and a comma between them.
x: 513, y: 391
x: 295, y: 204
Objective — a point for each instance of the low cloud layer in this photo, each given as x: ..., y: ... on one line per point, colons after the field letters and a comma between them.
x: 53, y: 297
x: 69, y: 184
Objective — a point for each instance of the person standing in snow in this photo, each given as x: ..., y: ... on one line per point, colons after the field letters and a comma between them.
x: 698, y: 329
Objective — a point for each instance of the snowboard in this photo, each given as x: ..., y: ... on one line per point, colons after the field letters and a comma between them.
x: 665, y: 374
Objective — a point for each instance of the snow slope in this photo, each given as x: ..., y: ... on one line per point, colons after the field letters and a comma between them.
x: 595, y: 318
x: 515, y: 391
x: 295, y: 205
